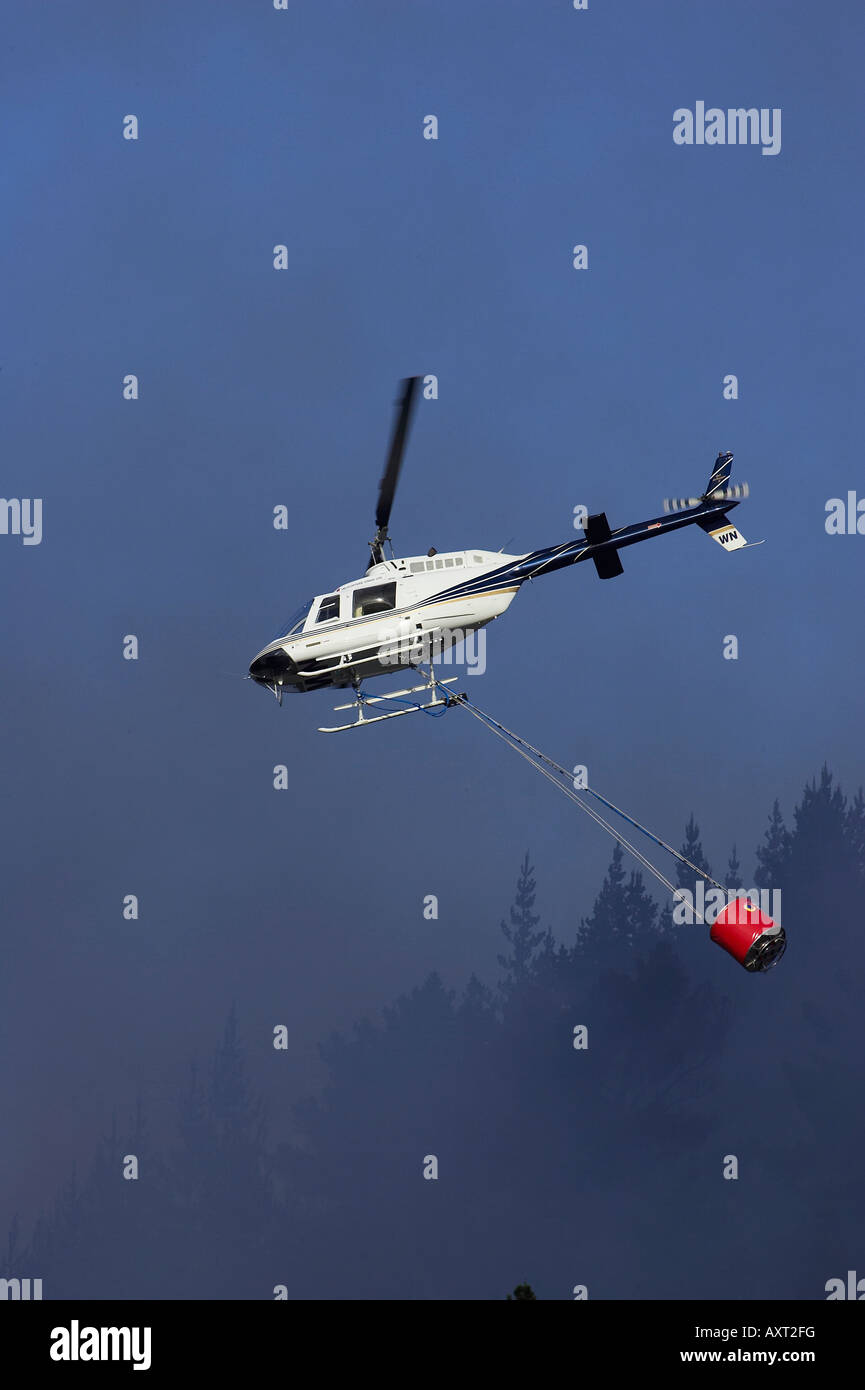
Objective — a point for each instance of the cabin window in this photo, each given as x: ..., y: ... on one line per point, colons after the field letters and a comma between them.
x: 478, y: 559
x: 458, y: 560
x: 418, y: 567
x: 430, y: 564
x: 449, y: 564
x: 379, y: 599
x: 328, y: 609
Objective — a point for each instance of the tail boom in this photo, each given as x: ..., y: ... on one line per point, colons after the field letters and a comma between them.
x: 601, y: 544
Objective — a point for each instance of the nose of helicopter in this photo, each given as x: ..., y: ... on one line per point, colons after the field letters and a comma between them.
x: 271, y: 668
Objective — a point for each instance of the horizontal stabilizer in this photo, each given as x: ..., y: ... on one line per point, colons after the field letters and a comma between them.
x: 722, y: 530
x: 597, y: 530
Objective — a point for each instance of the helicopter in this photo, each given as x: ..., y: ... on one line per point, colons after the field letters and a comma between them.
x: 403, y: 608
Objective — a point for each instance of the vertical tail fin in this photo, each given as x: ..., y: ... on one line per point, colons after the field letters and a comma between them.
x: 720, y: 475
x: 718, y: 489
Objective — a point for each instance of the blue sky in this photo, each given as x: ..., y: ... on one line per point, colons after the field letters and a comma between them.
x: 556, y: 388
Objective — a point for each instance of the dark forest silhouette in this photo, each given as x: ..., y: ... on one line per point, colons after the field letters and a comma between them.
x: 597, y: 1165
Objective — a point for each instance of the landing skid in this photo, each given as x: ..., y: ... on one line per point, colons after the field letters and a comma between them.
x: 362, y: 701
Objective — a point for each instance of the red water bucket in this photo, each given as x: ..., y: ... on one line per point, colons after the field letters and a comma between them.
x: 755, y: 940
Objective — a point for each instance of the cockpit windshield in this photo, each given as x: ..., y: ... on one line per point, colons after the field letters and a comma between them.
x: 295, y: 622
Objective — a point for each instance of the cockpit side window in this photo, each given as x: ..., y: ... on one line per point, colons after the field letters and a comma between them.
x: 328, y: 609
x: 379, y: 598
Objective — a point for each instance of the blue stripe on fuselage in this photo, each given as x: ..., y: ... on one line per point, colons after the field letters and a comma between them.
x: 545, y: 561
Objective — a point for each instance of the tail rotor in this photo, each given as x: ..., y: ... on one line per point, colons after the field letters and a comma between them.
x: 710, y: 515
x: 733, y: 493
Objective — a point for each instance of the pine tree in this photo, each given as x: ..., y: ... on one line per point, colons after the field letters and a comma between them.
x: 550, y: 964
x: 665, y: 921
x: 734, y: 878
x: 642, y: 912
x: 692, y: 849
x: 601, y: 932
x: 521, y: 935
x: 773, y: 855
x: 523, y: 1292
x: 821, y: 838
x: 825, y: 804
x: 623, y: 918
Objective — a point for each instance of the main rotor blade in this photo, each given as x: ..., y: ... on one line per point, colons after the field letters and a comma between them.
x: 387, y: 486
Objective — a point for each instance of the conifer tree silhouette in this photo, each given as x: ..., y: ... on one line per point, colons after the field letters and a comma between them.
x: 521, y: 935
x: 773, y: 854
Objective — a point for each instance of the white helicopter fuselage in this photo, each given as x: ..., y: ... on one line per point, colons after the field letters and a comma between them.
x: 402, y: 611
x: 406, y: 612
